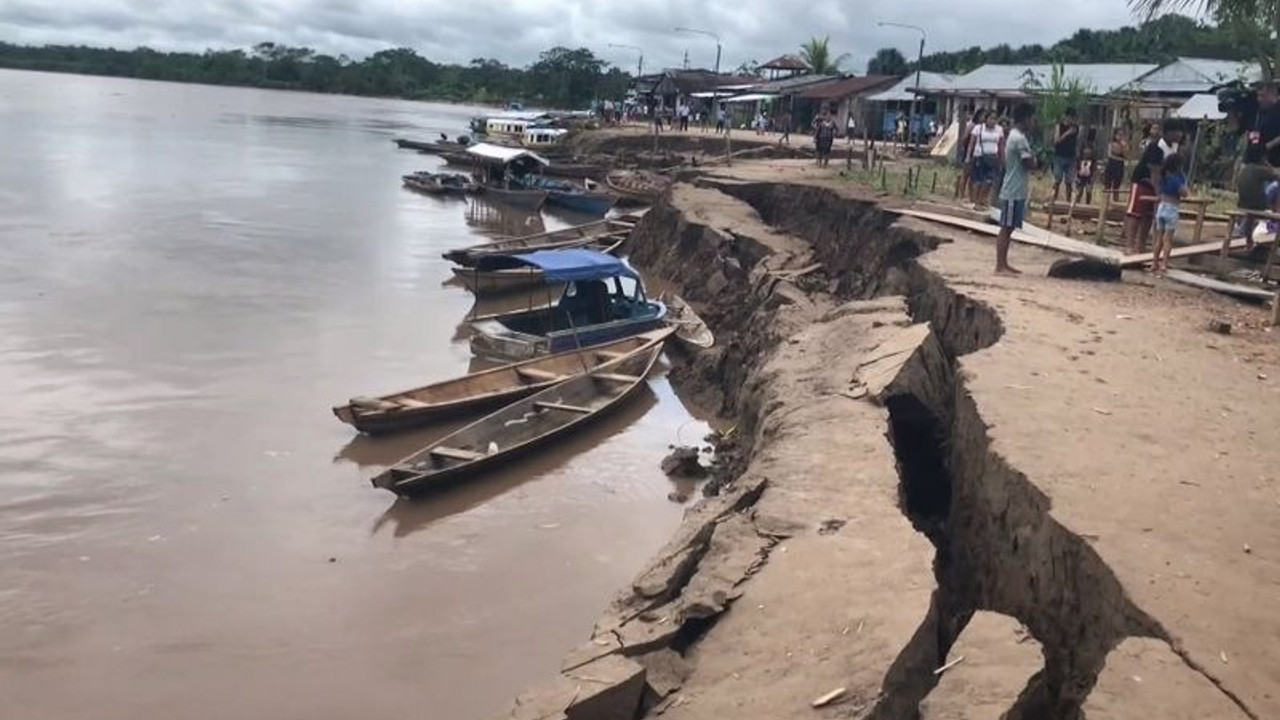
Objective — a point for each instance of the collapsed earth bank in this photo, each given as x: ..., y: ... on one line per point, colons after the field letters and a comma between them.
x: 868, y: 525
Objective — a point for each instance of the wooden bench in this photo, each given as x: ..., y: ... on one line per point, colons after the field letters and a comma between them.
x: 565, y: 408
x: 539, y: 375
x: 456, y: 453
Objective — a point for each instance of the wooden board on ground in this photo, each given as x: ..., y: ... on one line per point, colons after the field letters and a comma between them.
x: 1232, y: 289
x: 1188, y: 250
x: 1030, y: 236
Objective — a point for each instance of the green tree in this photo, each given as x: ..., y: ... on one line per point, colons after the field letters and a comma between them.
x: 887, y: 61
x: 566, y: 77
x: 1055, y: 95
x: 1254, y: 23
x: 816, y: 54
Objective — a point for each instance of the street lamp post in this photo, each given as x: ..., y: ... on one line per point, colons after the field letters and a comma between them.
x: 911, y: 116
x: 639, y: 51
x: 715, y: 89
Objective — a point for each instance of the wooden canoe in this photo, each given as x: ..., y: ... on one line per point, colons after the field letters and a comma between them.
x: 522, y: 426
x: 690, y: 329
x: 566, y: 237
x: 497, y: 282
x: 638, y: 186
x: 483, y: 390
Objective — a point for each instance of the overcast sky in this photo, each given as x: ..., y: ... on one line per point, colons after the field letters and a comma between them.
x: 515, y: 31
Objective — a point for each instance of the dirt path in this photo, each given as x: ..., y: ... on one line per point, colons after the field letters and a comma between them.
x: 1064, y: 487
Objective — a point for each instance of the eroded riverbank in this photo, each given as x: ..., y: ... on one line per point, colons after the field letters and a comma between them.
x: 928, y: 450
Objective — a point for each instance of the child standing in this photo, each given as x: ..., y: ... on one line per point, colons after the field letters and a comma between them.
x: 1173, y: 187
x: 1084, y: 176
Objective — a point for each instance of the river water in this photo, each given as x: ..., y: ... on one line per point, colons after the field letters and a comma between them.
x: 189, y: 277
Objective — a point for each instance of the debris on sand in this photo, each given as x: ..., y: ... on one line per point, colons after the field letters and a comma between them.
x: 683, y: 462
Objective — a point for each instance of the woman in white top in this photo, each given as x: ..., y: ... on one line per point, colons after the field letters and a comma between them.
x: 985, y: 147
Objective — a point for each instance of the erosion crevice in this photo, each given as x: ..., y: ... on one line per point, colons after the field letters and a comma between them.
x: 996, y: 545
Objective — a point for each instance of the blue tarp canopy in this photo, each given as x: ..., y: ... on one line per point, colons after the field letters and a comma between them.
x: 568, y: 265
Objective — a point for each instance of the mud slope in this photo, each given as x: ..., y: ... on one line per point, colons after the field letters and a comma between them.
x: 871, y: 517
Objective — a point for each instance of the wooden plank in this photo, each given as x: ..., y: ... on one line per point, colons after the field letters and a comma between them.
x: 456, y: 453
x: 566, y: 408
x: 410, y: 403
x: 539, y: 375
x: 1041, y: 238
x: 1189, y: 250
x: 609, y: 354
x: 1240, y: 291
x: 614, y: 377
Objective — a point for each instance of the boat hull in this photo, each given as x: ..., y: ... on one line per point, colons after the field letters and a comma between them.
x: 493, y: 339
x: 485, y: 390
x: 520, y: 428
x: 583, y: 202
x: 527, y: 199
x: 497, y: 282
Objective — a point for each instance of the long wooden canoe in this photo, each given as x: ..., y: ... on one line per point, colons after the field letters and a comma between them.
x: 565, y: 237
x: 497, y: 282
x: 690, y: 329
x: 521, y: 427
x: 483, y: 390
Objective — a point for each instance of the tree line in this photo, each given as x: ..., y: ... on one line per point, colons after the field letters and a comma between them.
x: 1158, y: 40
x: 562, y: 77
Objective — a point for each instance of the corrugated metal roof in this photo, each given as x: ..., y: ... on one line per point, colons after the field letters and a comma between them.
x: 1200, y: 107
x: 792, y: 83
x: 1100, y: 78
x: 785, y: 62
x: 903, y: 89
x: 1197, y: 75
x: 503, y: 154
x: 848, y: 86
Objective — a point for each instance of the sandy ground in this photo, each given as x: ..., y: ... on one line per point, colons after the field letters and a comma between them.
x: 1147, y: 435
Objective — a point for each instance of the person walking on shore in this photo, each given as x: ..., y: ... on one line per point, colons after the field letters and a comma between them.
x: 1019, y: 161
x: 824, y: 136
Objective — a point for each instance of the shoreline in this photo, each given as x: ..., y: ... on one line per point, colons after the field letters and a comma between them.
x: 938, y: 461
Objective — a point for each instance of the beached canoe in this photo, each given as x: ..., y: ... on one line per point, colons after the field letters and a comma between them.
x: 484, y: 390
x: 638, y: 187
x: 578, y: 235
x: 439, y: 183
x: 522, y: 426
x: 690, y: 329
x: 497, y: 282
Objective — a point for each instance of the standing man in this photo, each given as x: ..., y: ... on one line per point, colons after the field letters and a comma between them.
x: 720, y: 120
x: 1066, y: 139
x: 824, y: 136
x: 785, y: 129
x: 1016, y: 187
x: 1261, y: 156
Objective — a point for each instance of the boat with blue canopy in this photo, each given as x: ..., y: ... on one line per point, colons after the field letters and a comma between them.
x: 603, y: 300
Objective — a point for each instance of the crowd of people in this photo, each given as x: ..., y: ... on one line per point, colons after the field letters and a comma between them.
x: 997, y: 156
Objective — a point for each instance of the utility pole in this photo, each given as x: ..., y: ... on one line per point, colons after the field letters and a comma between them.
x: 911, y: 116
x: 639, y: 51
x: 715, y: 90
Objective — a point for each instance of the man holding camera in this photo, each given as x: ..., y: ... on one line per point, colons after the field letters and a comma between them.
x: 1261, y: 155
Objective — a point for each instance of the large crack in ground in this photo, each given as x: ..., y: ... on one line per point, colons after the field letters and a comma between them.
x: 998, y: 549
x: 996, y: 546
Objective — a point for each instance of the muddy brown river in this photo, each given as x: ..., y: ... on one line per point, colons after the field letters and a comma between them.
x: 189, y: 277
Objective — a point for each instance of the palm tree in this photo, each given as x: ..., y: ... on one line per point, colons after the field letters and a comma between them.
x: 816, y: 53
x: 1256, y: 23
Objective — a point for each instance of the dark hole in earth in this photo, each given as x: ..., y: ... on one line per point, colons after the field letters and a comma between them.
x: 925, y: 481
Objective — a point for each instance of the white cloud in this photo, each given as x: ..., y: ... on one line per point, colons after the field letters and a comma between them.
x: 515, y: 31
